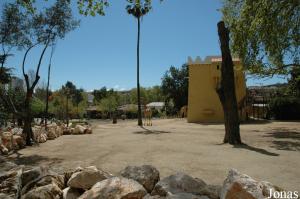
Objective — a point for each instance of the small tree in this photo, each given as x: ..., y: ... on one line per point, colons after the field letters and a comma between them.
x: 44, y: 29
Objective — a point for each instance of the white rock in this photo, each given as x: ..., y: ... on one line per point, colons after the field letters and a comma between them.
x: 71, y: 193
x: 178, y: 183
x: 146, y: 175
x: 238, y: 185
x: 86, y: 178
x: 115, y: 188
x: 50, y: 191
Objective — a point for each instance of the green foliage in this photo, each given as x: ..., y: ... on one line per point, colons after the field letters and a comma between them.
x: 108, y: 104
x: 175, y: 86
x: 54, y: 22
x: 37, y: 107
x: 151, y: 94
x: 265, y: 34
x: 13, y: 28
x: 138, y: 8
x: 294, y: 82
x: 285, y: 108
x: 5, y: 75
x: 100, y: 94
x: 88, y: 7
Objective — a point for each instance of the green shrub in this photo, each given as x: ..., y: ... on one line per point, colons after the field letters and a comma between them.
x: 285, y: 108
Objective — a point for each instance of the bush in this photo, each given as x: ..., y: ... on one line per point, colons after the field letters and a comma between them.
x: 285, y: 108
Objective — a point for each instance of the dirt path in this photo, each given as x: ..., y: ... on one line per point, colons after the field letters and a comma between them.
x: 272, y: 152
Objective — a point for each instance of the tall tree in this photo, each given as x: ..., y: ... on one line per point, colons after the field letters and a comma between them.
x: 13, y: 30
x: 138, y: 8
x: 226, y: 90
x: 175, y: 85
x: 68, y: 89
x: 265, y: 34
x: 47, y: 88
x: 13, y: 36
x: 45, y: 27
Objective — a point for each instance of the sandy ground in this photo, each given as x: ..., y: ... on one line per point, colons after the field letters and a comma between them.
x: 272, y: 152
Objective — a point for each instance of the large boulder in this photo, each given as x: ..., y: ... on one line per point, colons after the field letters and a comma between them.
x: 238, y: 185
x: 79, y: 129
x: 51, y: 179
x: 34, y: 173
x: 148, y: 196
x: 39, y: 177
x: 5, y: 196
x: 7, y: 138
x: 86, y: 178
x: 18, y: 142
x: 40, y: 134
x: 59, y: 131
x: 212, y: 191
x: 178, y: 183
x: 10, y: 183
x: 115, y: 188
x: 146, y: 175
x: 50, y: 191
x: 3, y: 149
x: 69, y: 173
x: 185, y: 196
x: 6, y: 165
x: 71, y: 193
x: 17, y: 131
x: 51, y: 133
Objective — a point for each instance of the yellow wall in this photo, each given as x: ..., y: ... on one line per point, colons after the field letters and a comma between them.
x: 203, y: 102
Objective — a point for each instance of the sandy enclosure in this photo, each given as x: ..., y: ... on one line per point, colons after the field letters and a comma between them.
x: 271, y: 153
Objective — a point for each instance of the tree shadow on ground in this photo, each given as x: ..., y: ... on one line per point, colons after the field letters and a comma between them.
x: 32, y: 160
x: 146, y: 131
x: 255, y: 149
x: 293, y: 144
x: 286, y: 145
x: 256, y: 122
x: 283, y: 134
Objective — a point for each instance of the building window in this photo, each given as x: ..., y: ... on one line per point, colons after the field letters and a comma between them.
x: 218, y: 67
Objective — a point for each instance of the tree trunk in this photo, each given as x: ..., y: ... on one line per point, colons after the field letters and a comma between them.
x: 67, y: 111
x: 140, y: 122
x: 47, y: 97
x: 27, y: 130
x: 226, y: 90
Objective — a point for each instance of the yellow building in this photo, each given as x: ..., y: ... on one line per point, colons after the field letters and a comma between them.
x: 203, y: 101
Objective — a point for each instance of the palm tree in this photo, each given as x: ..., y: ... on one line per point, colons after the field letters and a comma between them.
x: 138, y: 8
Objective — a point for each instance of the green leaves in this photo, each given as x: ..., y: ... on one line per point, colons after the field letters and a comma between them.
x: 138, y: 8
x: 175, y: 85
x: 265, y: 34
x: 92, y: 7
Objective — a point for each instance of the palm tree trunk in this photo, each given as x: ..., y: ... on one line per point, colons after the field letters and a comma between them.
x: 140, y: 123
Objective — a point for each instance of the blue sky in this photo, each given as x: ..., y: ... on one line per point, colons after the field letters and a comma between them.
x: 102, y: 51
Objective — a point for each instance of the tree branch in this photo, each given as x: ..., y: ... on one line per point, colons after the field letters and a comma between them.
x: 37, y: 77
x: 23, y: 63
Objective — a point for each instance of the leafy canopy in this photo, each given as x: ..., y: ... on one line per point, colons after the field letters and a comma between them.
x: 265, y: 34
x: 175, y: 86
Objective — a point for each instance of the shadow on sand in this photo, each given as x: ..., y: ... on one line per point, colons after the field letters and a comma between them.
x: 256, y: 149
x: 146, y: 131
x: 32, y: 160
x: 292, y: 144
x: 283, y: 134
